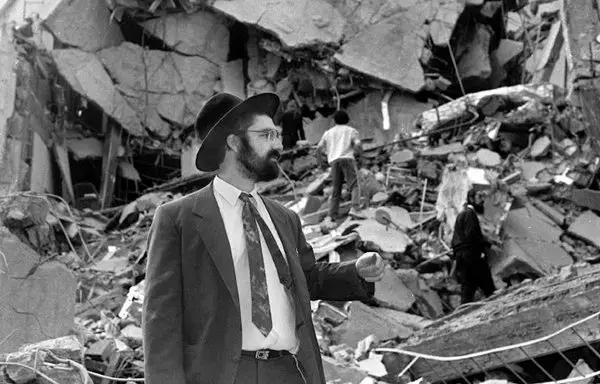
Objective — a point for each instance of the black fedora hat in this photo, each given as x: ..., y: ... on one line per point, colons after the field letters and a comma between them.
x: 216, y: 120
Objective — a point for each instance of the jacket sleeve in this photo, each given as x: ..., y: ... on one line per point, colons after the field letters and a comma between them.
x: 162, y: 307
x: 330, y: 281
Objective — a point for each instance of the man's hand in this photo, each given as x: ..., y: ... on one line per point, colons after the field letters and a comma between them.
x: 370, y: 267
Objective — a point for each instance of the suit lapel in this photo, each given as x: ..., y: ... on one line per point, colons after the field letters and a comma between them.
x: 212, y: 230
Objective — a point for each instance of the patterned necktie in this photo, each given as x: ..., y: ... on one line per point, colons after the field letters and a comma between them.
x: 261, y: 308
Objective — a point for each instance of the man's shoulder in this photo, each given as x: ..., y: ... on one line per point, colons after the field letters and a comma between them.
x: 279, y: 207
x: 180, y: 205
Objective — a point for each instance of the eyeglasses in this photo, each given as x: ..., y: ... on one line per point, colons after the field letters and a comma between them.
x: 270, y: 134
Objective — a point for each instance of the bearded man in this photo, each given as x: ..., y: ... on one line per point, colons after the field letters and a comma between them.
x: 470, y: 248
x: 229, y: 274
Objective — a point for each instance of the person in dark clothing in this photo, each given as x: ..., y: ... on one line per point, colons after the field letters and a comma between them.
x: 292, y: 128
x: 469, y: 246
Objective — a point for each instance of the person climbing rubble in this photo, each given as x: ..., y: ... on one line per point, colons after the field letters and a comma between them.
x: 470, y: 248
x: 341, y: 144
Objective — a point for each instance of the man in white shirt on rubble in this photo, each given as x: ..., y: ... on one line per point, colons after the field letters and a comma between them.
x: 341, y: 144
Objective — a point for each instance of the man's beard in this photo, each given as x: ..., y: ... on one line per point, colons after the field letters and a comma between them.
x: 479, y: 208
x: 256, y: 167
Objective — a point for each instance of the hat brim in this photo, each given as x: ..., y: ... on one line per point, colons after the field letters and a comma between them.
x: 211, y: 151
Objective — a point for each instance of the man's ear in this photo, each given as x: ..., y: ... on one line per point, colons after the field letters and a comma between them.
x: 233, y: 142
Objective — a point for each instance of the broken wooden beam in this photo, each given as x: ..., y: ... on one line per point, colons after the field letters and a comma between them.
x: 525, y: 313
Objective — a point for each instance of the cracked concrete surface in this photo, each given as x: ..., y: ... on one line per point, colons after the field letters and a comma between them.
x: 380, y: 38
x: 149, y: 88
x: 34, y: 306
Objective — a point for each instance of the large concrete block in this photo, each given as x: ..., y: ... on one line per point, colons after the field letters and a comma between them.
x: 37, y: 302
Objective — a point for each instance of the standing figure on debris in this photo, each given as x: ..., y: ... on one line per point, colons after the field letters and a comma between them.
x: 230, y: 275
x: 341, y: 144
x: 470, y: 248
x: 292, y: 128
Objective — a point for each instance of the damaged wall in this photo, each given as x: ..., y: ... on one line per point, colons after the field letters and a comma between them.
x: 10, y: 149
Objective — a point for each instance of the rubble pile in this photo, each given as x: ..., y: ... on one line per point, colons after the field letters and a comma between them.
x: 481, y: 97
x: 524, y: 146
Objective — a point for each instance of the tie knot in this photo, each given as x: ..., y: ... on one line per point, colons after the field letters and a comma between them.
x: 246, y: 197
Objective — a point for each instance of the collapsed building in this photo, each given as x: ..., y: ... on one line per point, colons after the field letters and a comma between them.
x: 445, y: 94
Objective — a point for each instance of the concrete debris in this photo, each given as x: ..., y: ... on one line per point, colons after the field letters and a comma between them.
x: 382, y: 323
x: 586, y: 226
x: 51, y: 358
x: 85, y: 73
x: 529, y: 150
x: 201, y: 33
x: 540, y: 147
x: 538, y: 253
x: 85, y: 25
x: 443, y: 23
x: 41, y: 295
x: 335, y: 372
x: 581, y: 369
x: 488, y: 158
x: 587, y: 198
x: 376, y: 49
x: 392, y: 291
x: 178, y: 83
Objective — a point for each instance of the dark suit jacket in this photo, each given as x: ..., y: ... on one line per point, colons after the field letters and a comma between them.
x: 191, y: 319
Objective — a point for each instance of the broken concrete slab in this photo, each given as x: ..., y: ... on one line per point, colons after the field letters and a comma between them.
x: 488, y: 158
x: 530, y: 169
x: 174, y: 91
x: 532, y: 245
x: 587, y: 227
x: 383, y: 323
x: 85, y: 73
x: 427, y: 300
x: 392, y: 291
x: 157, y: 71
x: 337, y: 373
x: 377, y: 49
x: 84, y: 24
x: 200, y: 33
x: 507, y: 50
x: 586, y: 198
x: 443, y: 23
x: 540, y: 147
x: 378, y: 236
x: 296, y: 24
x: 39, y: 302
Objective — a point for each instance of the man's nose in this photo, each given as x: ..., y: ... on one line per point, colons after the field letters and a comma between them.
x: 278, y: 144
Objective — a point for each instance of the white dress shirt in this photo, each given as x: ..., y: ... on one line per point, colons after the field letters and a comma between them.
x: 283, y: 335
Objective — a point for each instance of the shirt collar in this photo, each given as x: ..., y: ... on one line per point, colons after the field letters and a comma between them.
x: 231, y: 194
